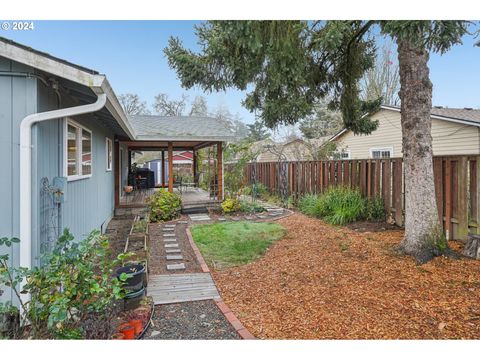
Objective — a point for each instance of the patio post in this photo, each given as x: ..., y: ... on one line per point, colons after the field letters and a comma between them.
x: 219, y: 171
x: 163, y: 169
x: 170, y: 166
x: 194, y: 165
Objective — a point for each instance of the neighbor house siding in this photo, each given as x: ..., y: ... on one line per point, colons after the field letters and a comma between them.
x: 17, y: 100
x: 448, y: 138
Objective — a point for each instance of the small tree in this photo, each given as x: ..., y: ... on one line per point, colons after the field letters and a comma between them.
x: 132, y: 105
x: 383, y: 79
x: 257, y: 131
x: 164, y: 106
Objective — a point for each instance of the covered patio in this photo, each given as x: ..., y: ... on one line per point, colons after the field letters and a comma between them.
x: 169, y: 135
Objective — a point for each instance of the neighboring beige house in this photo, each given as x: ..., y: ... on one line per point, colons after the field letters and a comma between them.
x: 454, y: 132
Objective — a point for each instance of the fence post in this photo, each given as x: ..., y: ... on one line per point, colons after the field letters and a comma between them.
x: 397, y: 191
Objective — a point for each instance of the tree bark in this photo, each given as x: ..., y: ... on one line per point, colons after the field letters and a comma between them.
x: 423, y: 235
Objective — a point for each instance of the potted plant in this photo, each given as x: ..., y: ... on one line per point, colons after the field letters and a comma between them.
x: 134, y: 278
x: 9, y: 320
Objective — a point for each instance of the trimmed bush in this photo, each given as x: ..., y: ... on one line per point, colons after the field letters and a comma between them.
x: 164, y: 206
x: 230, y: 205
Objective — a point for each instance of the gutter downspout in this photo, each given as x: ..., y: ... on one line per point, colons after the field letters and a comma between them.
x: 26, y: 170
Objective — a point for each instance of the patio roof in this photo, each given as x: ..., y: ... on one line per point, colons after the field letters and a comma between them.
x: 180, y: 128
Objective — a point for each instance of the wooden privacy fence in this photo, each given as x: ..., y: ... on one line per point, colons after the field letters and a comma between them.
x: 457, y: 185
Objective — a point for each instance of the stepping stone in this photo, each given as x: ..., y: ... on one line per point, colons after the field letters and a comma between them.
x: 168, y: 235
x: 180, y: 266
x: 174, y: 257
x: 183, y: 222
x: 262, y: 216
x: 172, y: 251
x: 222, y: 219
x: 169, y: 240
x: 168, y: 229
x: 171, y: 245
x: 249, y: 218
x: 236, y: 218
x: 199, y: 217
x: 169, y: 226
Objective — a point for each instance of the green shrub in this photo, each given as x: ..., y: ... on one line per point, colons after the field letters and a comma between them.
x: 164, y: 206
x: 73, y: 295
x: 341, y: 205
x: 308, y: 205
x: 374, y: 209
x: 230, y: 205
x: 338, y: 205
x: 251, y: 207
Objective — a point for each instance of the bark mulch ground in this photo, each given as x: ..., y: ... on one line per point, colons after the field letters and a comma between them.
x: 190, y: 320
x: 326, y: 282
x: 157, y: 258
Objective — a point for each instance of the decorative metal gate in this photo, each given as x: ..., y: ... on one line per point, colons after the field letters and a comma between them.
x: 50, y: 218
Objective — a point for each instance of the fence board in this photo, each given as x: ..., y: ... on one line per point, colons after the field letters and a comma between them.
x: 462, y: 200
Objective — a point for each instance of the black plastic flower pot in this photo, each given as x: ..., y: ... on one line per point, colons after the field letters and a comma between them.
x: 135, y: 282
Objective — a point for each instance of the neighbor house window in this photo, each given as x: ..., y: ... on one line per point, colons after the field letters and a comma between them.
x: 341, y: 155
x: 109, y: 150
x: 381, y: 153
x: 78, y: 151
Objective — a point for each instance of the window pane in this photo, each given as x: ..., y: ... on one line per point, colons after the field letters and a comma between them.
x: 86, y: 153
x: 72, y: 167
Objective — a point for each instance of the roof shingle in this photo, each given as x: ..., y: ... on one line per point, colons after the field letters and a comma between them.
x: 188, y: 128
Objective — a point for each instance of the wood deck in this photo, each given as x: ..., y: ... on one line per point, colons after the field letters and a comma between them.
x: 168, y: 289
x: 190, y: 197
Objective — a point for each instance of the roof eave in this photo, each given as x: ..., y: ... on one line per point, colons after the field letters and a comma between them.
x: 183, y: 138
x: 439, y: 117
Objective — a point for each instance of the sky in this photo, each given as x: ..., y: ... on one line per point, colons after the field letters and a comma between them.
x: 130, y: 53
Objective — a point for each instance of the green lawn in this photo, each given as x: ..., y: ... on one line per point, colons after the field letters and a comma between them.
x: 235, y: 243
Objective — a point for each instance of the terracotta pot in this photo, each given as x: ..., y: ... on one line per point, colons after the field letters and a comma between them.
x: 118, y: 336
x: 128, y: 189
x: 137, y: 325
x: 128, y: 331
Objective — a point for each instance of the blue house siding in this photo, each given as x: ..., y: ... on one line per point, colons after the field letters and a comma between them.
x: 17, y: 100
x: 89, y: 202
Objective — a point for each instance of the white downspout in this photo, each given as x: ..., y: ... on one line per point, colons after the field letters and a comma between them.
x: 26, y: 169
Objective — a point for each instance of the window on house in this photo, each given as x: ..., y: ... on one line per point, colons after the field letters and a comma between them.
x: 342, y: 155
x: 78, y: 151
x: 109, y: 150
x: 381, y: 153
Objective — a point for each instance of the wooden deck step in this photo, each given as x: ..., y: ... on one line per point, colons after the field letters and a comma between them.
x: 175, y: 288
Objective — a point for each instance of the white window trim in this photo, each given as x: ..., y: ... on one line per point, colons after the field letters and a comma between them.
x: 107, y: 153
x: 78, y: 126
x: 382, y: 148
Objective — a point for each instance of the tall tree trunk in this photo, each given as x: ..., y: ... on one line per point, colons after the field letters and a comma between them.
x: 423, y: 235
